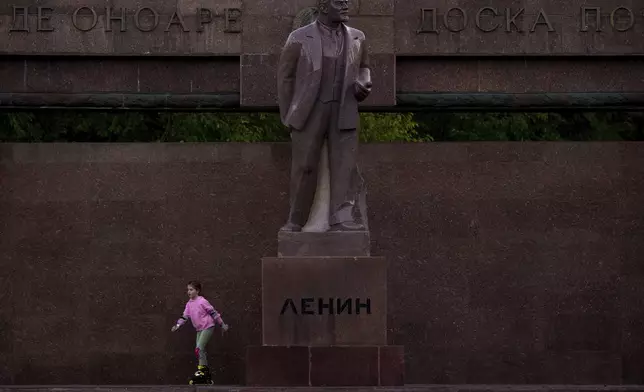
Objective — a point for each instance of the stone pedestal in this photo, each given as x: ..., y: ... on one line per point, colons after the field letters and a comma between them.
x: 324, y: 315
x: 324, y: 301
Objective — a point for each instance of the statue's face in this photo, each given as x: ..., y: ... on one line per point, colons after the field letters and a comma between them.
x: 338, y: 11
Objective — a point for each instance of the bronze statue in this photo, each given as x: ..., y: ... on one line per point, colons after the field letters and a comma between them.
x: 323, y: 73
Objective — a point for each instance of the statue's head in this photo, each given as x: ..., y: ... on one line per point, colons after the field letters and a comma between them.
x: 336, y: 11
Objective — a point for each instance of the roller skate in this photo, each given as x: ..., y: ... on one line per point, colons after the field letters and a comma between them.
x: 201, y: 376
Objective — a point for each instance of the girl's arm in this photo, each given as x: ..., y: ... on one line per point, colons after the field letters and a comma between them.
x: 182, y: 319
x: 214, y: 314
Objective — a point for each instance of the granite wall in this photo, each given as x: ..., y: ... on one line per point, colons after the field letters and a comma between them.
x: 509, y: 262
x: 214, y: 54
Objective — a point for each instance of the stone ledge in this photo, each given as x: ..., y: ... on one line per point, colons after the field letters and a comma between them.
x: 115, y: 101
x: 442, y: 101
x: 523, y: 101
x: 332, y: 244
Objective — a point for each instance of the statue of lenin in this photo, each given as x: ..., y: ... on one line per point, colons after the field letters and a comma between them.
x: 323, y: 73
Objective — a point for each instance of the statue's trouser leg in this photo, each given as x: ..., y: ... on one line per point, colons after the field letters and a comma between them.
x: 305, y: 146
x: 203, y: 337
x: 343, y: 150
x: 318, y: 221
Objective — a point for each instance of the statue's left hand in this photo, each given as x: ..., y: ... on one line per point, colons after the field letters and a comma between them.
x: 362, y: 91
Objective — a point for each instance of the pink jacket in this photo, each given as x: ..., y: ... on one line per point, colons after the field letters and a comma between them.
x: 201, y: 313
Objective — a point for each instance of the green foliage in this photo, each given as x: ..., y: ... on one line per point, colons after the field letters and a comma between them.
x: 491, y: 126
x: 49, y: 126
x: 178, y: 127
x: 530, y: 126
x: 389, y: 128
x: 222, y: 127
x: 65, y: 126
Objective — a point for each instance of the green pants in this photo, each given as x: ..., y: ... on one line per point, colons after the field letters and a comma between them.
x: 203, y: 337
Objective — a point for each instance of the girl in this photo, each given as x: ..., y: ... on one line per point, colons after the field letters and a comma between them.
x: 203, y: 317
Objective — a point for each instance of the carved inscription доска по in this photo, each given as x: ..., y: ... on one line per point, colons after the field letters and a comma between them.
x: 489, y: 19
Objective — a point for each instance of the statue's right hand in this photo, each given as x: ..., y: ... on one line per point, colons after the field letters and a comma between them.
x: 362, y: 91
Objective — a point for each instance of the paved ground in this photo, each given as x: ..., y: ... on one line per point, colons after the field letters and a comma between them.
x: 408, y: 388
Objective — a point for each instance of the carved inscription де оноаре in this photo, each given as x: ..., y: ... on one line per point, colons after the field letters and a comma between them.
x: 489, y: 19
x: 144, y: 19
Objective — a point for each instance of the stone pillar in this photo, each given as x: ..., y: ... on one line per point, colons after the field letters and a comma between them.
x: 324, y: 297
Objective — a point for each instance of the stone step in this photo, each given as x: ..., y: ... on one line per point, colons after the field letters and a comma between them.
x: 406, y: 388
x: 353, y: 366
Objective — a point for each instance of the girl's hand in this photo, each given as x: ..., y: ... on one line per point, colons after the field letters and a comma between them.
x: 175, y: 328
x: 225, y: 327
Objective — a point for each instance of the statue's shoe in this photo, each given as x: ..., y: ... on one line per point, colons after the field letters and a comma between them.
x: 347, y: 226
x: 291, y: 227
